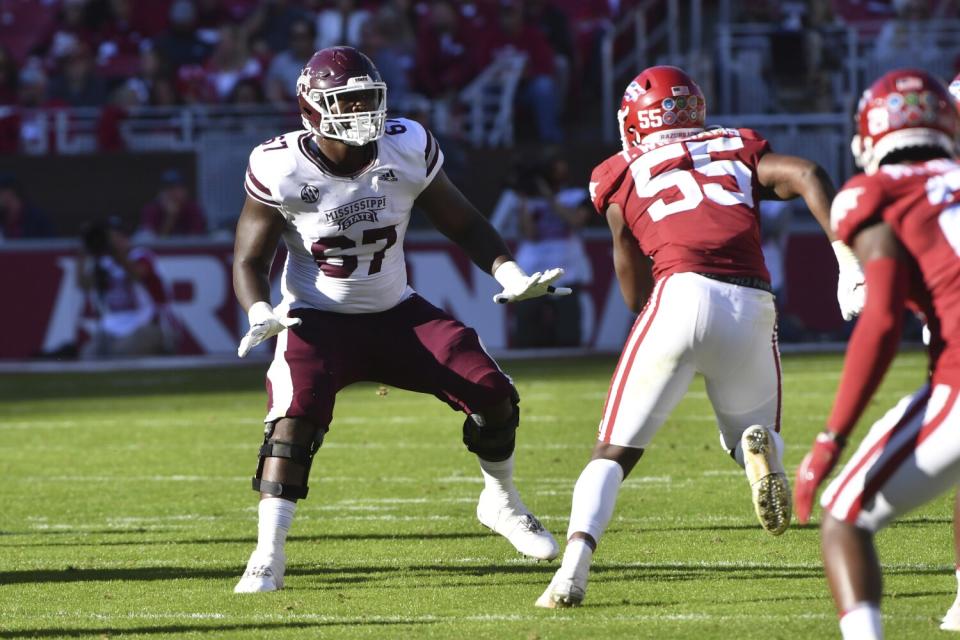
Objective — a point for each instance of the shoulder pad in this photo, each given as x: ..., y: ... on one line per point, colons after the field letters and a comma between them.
x: 855, y: 206
x: 606, y: 179
x: 414, y: 141
x: 269, y: 163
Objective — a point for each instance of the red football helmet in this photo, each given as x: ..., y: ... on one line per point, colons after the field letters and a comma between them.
x: 329, y: 88
x: 661, y: 100
x: 904, y: 108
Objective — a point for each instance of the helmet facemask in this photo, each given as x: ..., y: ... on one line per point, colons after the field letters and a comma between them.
x: 337, y: 120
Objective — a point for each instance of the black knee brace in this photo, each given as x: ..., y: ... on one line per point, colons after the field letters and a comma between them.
x: 281, y: 449
x: 490, y: 440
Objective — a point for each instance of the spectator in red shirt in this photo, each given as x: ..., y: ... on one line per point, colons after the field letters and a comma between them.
x: 121, y: 40
x: 538, y: 90
x: 230, y: 63
x: 443, y: 62
x: 173, y: 212
x: 72, y: 27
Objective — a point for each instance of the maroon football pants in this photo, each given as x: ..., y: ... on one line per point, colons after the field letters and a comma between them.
x: 413, y: 346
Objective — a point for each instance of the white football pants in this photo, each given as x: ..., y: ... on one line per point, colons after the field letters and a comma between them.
x: 910, y: 456
x: 690, y: 324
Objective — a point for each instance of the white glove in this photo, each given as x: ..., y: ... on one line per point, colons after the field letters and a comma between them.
x: 851, y: 286
x: 517, y: 285
x: 264, y: 324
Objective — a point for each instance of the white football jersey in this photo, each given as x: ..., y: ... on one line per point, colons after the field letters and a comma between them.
x: 344, y: 234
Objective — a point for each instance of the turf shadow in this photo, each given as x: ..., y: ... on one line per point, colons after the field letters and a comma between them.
x: 151, y: 574
x: 360, y: 537
x: 169, y: 630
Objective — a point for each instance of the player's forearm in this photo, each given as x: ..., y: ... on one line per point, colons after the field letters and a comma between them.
x: 481, y: 242
x: 872, y: 346
x: 251, y: 283
x: 817, y: 192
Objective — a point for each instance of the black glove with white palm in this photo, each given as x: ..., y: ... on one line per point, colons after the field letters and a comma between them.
x: 517, y: 285
x: 264, y: 324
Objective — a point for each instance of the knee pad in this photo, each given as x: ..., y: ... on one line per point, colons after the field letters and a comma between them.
x: 300, y: 454
x: 493, y: 440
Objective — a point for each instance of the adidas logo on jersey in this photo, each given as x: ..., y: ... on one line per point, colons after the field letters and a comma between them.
x: 388, y: 176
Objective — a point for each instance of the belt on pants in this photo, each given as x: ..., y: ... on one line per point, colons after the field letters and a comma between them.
x: 741, y: 281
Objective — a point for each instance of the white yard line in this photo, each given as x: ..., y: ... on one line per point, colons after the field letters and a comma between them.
x: 558, y: 617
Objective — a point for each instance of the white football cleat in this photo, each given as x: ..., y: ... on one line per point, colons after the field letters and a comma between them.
x: 767, y: 478
x: 951, y: 620
x: 562, y: 593
x: 263, y: 574
x: 512, y: 520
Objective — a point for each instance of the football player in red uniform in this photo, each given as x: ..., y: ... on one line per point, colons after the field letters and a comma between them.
x: 902, y: 220
x: 682, y: 204
x: 951, y: 620
x: 339, y: 193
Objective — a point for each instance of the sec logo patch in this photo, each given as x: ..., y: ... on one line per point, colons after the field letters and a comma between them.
x: 309, y: 193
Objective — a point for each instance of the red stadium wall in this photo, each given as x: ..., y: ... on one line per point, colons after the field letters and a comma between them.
x: 51, y: 311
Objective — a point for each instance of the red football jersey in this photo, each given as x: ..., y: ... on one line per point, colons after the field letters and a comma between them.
x: 692, y: 204
x: 921, y: 203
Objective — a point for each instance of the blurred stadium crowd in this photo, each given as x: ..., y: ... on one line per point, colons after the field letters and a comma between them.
x: 121, y: 54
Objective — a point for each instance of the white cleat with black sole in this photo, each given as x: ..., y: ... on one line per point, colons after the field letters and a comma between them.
x: 263, y: 574
x: 767, y: 478
x: 563, y: 593
x: 511, y: 519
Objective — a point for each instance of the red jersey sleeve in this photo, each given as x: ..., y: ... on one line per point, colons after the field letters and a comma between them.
x: 754, y: 146
x: 858, y: 204
x: 606, y: 180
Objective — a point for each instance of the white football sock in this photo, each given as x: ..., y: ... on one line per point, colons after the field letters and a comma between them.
x: 498, y: 477
x: 594, y: 497
x: 276, y: 516
x: 576, y: 559
x: 861, y: 622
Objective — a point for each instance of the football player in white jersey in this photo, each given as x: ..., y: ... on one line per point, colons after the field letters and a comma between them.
x: 339, y: 194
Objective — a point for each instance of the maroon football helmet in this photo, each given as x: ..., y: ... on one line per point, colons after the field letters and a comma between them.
x: 955, y: 90
x: 342, y: 96
x: 904, y: 108
x: 662, y: 102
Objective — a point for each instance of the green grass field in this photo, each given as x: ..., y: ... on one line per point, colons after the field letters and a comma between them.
x: 127, y: 512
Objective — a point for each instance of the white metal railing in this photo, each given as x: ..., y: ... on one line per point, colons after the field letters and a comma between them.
x: 635, y: 42
x: 821, y: 137
x: 74, y: 130
x: 744, y: 55
x: 484, y: 110
x: 488, y: 100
